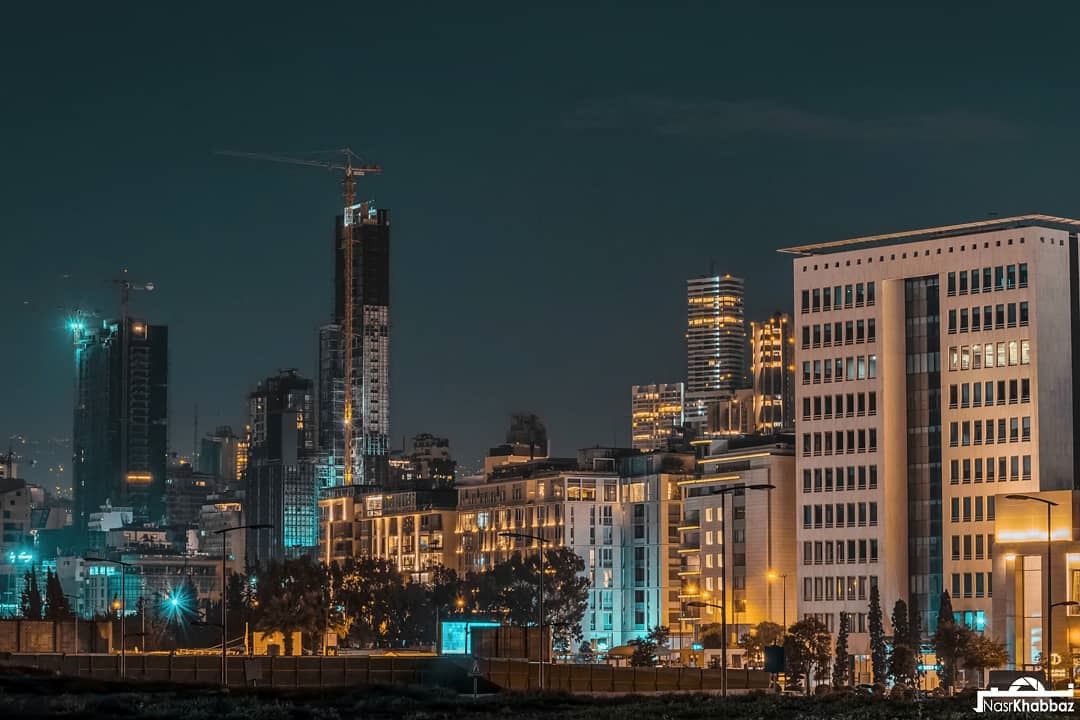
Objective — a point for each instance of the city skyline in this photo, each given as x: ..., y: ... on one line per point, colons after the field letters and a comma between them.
x: 534, y: 151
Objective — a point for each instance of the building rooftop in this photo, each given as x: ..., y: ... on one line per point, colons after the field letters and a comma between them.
x: 971, y: 228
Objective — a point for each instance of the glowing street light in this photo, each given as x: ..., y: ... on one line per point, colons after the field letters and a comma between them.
x: 120, y: 606
x: 1050, y: 505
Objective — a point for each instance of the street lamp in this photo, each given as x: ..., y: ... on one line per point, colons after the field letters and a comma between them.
x: 723, y: 492
x: 223, y: 532
x: 122, y: 608
x: 541, y: 541
x: 772, y: 576
x: 1050, y: 505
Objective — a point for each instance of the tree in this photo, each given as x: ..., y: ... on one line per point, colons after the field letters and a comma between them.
x: 586, y: 653
x: 646, y: 649
x: 949, y: 641
x: 841, y: 659
x: 30, y: 604
x: 981, y: 652
x: 56, y: 603
x: 808, y: 649
x: 291, y: 599
x: 877, y: 637
x: 903, y: 664
x: 757, y: 638
x: 569, y: 591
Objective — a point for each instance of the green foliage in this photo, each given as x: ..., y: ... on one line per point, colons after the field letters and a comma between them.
x: 757, y: 638
x: 646, y: 649
x: 31, y: 606
x: 56, y: 603
x: 808, y: 649
x: 949, y: 640
x: 877, y: 637
x: 980, y: 652
x: 903, y: 657
x: 841, y: 659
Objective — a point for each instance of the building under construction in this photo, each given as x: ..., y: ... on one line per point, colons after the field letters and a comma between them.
x: 120, y: 417
x: 367, y: 298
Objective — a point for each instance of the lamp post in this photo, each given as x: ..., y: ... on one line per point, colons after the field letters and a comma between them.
x: 223, y: 532
x: 723, y: 492
x: 541, y: 541
x: 123, y: 607
x: 772, y: 575
x: 1050, y: 505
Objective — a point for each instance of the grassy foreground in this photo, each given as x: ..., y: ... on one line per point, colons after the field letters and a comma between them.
x: 32, y: 695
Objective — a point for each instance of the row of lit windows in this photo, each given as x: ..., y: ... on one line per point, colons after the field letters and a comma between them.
x: 846, y: 588
x: 839, y: 333
x: 858, y: 367
x: 974, y: 394
x: 839, y: 552
x: 983, y: 585
x: 970, y: 509
x: 992, y: 317
x: 849, y: 405
x: 858, y: 477
x: 829, y: 443
x: 839, y: 515
x: 960, y: 471
x: 1000, y: 277
x: 960, y: 433
x: 973, y: 357
x: 837, y: 297
x: 974, y: 547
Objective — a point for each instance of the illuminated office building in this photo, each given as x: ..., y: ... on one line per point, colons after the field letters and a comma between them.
x: 715, y: 346
x: 772, y: 370
x: 656, y: 415
x: 936, y: 374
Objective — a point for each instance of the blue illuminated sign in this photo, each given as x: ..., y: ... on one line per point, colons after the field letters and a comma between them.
x: 457, y: 636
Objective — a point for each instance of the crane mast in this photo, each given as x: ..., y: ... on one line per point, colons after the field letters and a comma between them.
x: 349, y: 173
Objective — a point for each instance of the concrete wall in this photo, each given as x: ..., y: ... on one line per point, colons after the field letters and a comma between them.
x: 47, y: 636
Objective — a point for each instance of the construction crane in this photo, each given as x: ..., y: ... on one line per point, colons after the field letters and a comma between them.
x: 349, y: 170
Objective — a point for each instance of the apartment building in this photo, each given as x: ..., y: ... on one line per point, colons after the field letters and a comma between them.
x: 751, y: 534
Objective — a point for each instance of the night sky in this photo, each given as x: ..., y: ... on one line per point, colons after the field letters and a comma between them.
x: 554, y: 176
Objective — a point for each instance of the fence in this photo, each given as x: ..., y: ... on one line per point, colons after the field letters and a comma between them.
x: 362, y: 671
x: 520, y: 675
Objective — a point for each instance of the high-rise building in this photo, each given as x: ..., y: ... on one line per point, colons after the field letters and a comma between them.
x: 368, y: 230
x: 715, y: 345
x: 219, y: 456
x: 772, y: 367
x: 656, y: 415
x: 120, y: 417
x: 281, y: 489
x: 331, y: 408
x: 937, y: 373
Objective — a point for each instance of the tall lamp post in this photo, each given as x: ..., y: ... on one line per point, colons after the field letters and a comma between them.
x: 223, y: 532
x: 1050, y: 505
x: 772, y: 576
x: 541, y: 541
x: 123, y: 606
x: 723, y: 492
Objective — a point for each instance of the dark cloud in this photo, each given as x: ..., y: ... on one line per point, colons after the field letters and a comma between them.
x: 704, y: 118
